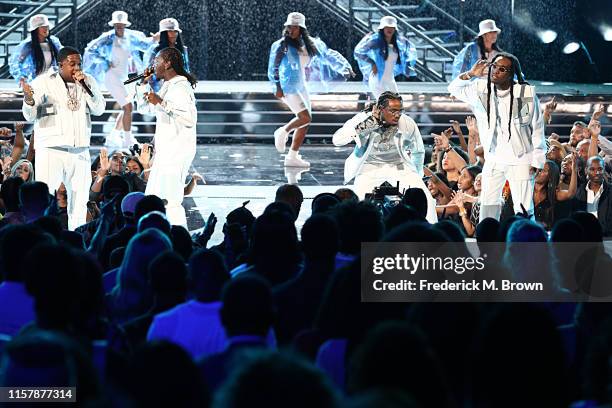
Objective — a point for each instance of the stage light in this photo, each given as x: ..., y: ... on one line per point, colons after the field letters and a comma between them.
x: 547, y: 36
x: 606, y: 31
x: 571, y: 47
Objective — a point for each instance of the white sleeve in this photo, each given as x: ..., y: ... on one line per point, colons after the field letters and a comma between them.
x: 142, y: 104
x: 96, y: 103
x: 348, y: 132
x: 537, y: 136
x: 466, y: 91
x: 29, y: 112
x: 180, y: 104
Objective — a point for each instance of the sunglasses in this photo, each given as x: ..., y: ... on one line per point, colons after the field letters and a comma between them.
x: 501, y: 68
x: 395, y: 112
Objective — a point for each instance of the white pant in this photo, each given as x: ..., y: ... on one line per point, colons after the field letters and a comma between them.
x: 167, y: 181
x: 372, y: 176
x: 379, y: 86
x: 73, y: 168
x: 494, y: 176
x: 115, y: 86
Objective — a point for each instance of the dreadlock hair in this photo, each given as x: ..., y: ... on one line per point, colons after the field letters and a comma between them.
x: 305, y: 39
x: 164, y: 42
x: 515, y: 70
x: 385, y: 97
x: 175, y: 57
x: 479, y: 40
x: 384, y: 49
x: 39, y: 57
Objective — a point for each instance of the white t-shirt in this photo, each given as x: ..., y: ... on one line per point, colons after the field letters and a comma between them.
x: 593, y: 199
x: 304, y: 60
x: 46, y: 49
x: 392, y: 56
x: 121, y: 56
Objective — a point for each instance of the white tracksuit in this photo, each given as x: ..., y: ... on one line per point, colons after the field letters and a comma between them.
x: 62, y: 139
x: 408, y: 172
x: 508, y: 155
x: 175, y: 143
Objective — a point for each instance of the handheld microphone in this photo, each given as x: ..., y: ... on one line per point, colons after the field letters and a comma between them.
x: 84, y: 85
x: 134, y: 77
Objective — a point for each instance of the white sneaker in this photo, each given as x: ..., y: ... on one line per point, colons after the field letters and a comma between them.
x: 129, y: 140
x: 294, y: 174
x: 295, y: 162
x: 280, y: 139
x: 113, y: 140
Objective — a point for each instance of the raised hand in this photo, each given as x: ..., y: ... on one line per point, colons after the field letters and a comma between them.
x: 479, y: 68
x: 551, y: 106
x: 598, y: 112
x: 456, y: 127
x: 28, y: 92
x: 145, y: 155
x: 104, y: 163
x: 595, y: 128
x: 470, y: 122
x: 5, y: 132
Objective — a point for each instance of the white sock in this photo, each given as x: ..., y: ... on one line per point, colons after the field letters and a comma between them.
x: 292, y: 154
x: 127, y: 133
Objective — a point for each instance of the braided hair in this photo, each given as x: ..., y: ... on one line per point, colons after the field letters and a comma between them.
x: 38, y: 55
x: 384, y: 49
x: 515, y: 70
x: 175, y: 57
x: 304, y: 39
x: 385, y: 97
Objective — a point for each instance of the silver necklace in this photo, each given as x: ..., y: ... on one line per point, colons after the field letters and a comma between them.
x: 73, y: 98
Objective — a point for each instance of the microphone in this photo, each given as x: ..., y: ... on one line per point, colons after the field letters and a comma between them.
x: 84, y: 85
x: 133, y: 77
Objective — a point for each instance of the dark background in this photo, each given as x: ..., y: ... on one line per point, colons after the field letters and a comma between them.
x: 230, y: 40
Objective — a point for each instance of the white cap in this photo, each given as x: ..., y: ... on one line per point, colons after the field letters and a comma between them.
x: 119, y: 17
x: 297, y: 19
x: 169, y: 24
x: 38, y: 20
x: 487, y: 26
x: 387, y: 21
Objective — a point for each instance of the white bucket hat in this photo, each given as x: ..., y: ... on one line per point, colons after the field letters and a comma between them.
x: 39, y: 20
x: 387, y: 21
x: 119, y: 17
x: 297, y: 19
x: 169, y: 24
x: 487, y: 26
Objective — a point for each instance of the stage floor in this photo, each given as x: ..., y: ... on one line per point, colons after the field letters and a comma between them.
x: 237, y: 173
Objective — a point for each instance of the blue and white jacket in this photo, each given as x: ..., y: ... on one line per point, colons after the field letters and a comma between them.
x: 370, y: 49
x: 98, y: 53
x: 21, y: 59
x: 326, y: 67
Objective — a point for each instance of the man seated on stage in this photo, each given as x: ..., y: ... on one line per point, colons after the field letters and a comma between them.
x: 388, y: 148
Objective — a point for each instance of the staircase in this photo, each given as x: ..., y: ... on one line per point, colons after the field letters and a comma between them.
x: 14, y: 16
x: 436, y: 34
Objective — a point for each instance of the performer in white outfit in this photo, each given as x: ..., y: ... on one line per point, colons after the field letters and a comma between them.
x: 61, y: 108
x: 175, y: 131
x: 109, y: 58
x: 511, y: 128
x: 389, y: 147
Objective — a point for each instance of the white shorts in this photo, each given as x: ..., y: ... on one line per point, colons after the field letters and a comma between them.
x: 115, y: 86
x: 377, y: 86
x: 297, y: 102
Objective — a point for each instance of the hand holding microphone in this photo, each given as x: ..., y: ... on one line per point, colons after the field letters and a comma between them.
x: 79, y: 76
x: 145, y: 76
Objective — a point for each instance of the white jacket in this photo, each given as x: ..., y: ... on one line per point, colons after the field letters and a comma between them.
x: 55, y: 124
x: 527, y: 136
x: 408, y: 142
x: 177, y: 116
